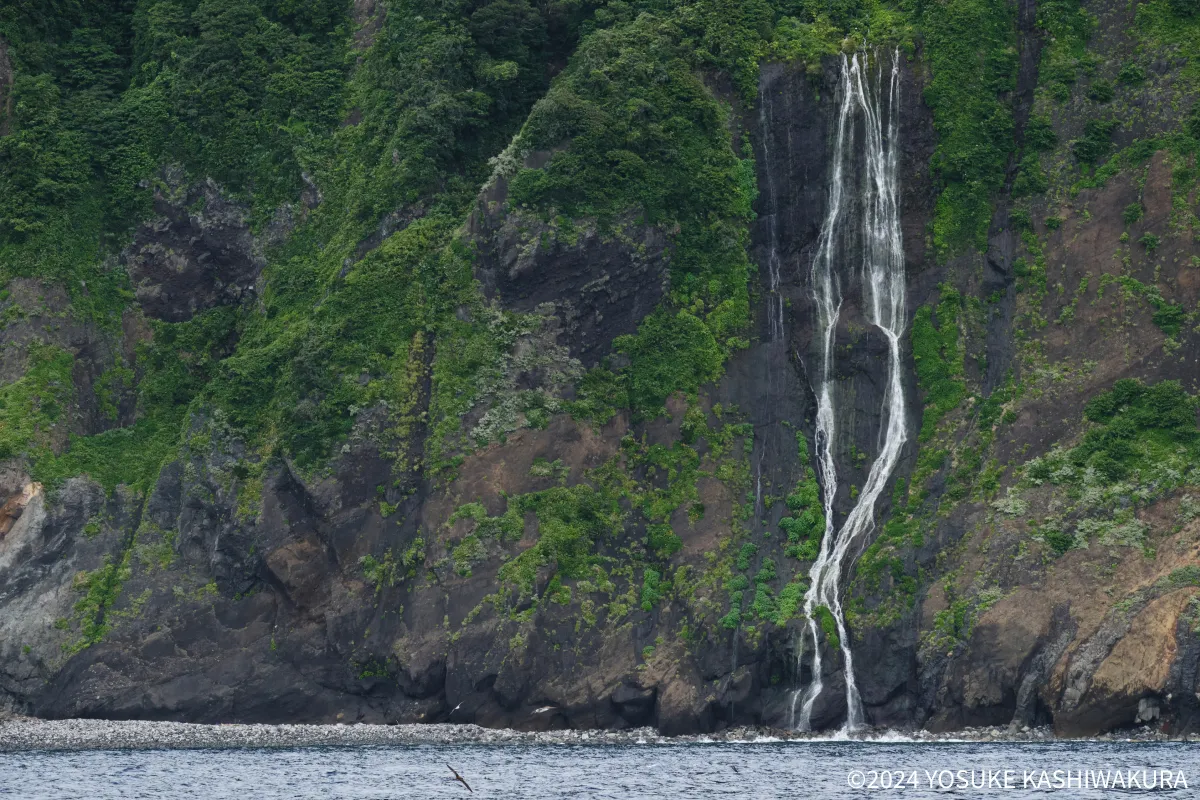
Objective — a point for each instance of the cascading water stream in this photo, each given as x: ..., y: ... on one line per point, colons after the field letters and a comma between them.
x: 871, y: 220
x: 774, y: 298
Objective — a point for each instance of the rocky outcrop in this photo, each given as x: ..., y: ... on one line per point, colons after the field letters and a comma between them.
x: 368, y: 17
x: 225, y: 617
x: 196, y: 254
x: 600, y: 283
x: 14, y: 507
x: 44, y: 556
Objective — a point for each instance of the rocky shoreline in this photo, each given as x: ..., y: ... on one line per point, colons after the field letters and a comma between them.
x: 23, y: 734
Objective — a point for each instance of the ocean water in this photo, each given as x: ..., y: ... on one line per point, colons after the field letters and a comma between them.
x: 789, y: 769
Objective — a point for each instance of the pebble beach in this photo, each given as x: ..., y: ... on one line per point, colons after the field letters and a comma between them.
x: 24, y: 734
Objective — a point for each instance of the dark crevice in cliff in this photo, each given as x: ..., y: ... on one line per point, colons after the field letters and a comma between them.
x: 1002, y: 238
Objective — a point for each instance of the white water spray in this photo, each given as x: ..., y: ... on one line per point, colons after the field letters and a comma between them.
x: 877, y: 228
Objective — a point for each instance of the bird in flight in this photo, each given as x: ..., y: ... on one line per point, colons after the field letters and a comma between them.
x: 460, y: 779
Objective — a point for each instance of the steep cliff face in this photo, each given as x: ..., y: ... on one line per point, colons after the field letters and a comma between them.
x: 406, y: 435
x: 796, y: 124
x: 1050, y: 559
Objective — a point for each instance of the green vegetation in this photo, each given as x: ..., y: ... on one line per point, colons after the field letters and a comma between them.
x: 662, y: 540
x: 388, y: 571
x: 33, y: 405
x: 790, y: 598
x: 1095, y: 142
x: 1039, y: 134
x: 1131, y: 73
x: 828, y: 626
x: 651, y: 591
x: 1142, y: 444
x: 1136, y: 154
x: 570, y: 522
x: 971, y: 49
x: 669, y: 354
x: 109, y: 389
x: 1031, y: 179
x: 99, y: 588
x: 1167, y: 316
x: 1101, y: 91
x: 939, y: 358
x: 955, y: 623
x: 1170, y: 24
x: 1065, y: 27
x: 1130, y: 409
x: 805, y: 527
x: 749, y: 551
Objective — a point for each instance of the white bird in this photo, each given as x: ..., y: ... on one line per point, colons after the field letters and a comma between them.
x: 543, y: 709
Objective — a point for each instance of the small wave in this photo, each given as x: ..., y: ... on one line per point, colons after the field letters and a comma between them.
x: 32, y: 734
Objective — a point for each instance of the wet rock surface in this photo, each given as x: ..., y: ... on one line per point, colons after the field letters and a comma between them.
x: 796, y: 123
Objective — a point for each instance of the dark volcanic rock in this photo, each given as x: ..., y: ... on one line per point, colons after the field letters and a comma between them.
x: 198, y: 253
x: 600, y: 283
x: 793, y: 138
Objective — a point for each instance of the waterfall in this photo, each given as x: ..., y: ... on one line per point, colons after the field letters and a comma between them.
x: 774, y: 298
x: 871, y: 219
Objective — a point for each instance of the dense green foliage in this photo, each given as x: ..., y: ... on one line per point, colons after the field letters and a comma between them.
x: 252, y: 94
x: 570, y: 521
x: 971, y: 47
x: 1095, y: 142
x: 653, y: 152
x: 938, y: 358
x: 828, y: 626
x: 805, y: 524
x: 35, y: 403
x: 1065, y: 57
x: 1130, y: 412
x: 257, y: 94
x: 243, y: 88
